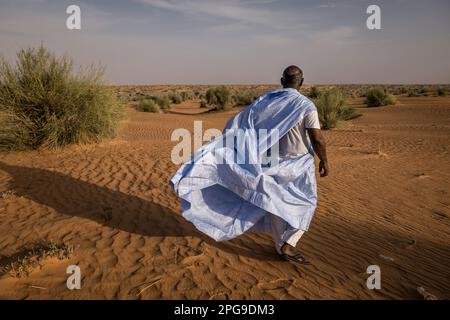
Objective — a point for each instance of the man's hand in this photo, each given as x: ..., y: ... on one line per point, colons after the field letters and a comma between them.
x: 324, y: 170
x: 319, y: 145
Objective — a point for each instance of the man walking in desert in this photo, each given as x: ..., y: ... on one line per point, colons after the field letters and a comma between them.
x: 226, y: 198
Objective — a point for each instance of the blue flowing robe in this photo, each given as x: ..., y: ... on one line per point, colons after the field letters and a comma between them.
x: 224, y: 199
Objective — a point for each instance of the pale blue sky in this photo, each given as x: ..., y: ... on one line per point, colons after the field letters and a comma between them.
x: 240, y: 41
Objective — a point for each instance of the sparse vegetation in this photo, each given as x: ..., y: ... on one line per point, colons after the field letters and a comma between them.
x: 148, y: 105
x: 7, y: 194
x: 175, y: 98
x: 390, y: 100
x: 162, y: 101
x: 413, y: 93
x: 218, y: 97
x: 314, y: 93
x: 245, y: 98
x: 332, y: 108
x: 423, y: 92
x: 21, y: 263
x: 441, y: 92
x: 378, y: 97
x: 185, y: 95
x: 43, y: 103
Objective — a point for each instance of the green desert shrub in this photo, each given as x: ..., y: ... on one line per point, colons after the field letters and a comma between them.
x: 16, y: 131
x: 403, y: 90
x: 162, y: 101
x: 348, y: 113
x: 390, y: 100
x: 185, y: 95
x: 423, y: 92
x: 245, y: 98
x: 379, y: 97
x: 441, y: 92
x: 43, y: 103
x: 413, y: 93
x: 332, y: 108
x: 218, y: 97
x: 210, y: 97
x: 148, y: 105
x: 175, y: 98
x: 314, y: 93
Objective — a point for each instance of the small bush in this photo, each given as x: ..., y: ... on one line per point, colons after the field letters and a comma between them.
x: 348, y: 113
x: 210, y: 97
x: 42, y: 103
x: 441, y: 92
x: 148, y: 105
x: 314, y: 93
x: 245, y: 98
x: 332, y: 108
x: 186, y: 95
x: 423, y: 92
x: 390, y: 100
x: 162, y: 101
x: 175, y: 98
x: 378, y: 97
x: 413, y: 93
x: 218, y: 97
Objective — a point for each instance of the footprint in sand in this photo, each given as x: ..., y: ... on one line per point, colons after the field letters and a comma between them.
x: 405, y: 244
x: 194, y: 259
x: 421, y: 176
x: 439, y: 215
x: 386, y: 258
x: 275, y: 284
x: 219, y: 296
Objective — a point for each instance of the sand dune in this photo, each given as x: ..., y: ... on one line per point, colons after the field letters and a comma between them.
x: 386, y: 203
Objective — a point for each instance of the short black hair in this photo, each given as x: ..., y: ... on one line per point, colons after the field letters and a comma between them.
x: 292, y: 75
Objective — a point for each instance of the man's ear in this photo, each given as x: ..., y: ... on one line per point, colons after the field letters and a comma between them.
x: 301, y: 82
x: 281, y: 80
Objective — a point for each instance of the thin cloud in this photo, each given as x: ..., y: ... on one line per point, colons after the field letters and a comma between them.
x: 327, y: 5
x: 243, y: 12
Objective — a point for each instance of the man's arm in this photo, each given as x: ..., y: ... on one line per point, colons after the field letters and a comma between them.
x: 319, y: 145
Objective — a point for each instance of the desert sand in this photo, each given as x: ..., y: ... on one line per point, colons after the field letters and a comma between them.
x: 385, y: 203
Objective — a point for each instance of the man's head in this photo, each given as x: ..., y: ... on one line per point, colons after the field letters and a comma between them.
x: 292, y: 77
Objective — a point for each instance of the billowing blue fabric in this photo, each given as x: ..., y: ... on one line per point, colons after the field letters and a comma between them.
x: 224, y: 199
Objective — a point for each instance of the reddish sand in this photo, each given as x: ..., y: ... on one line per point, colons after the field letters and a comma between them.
x: 386, y: 203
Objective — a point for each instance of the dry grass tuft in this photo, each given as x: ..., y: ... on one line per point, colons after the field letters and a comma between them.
x: 22, y: 263
x: 43, y: 103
